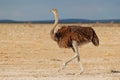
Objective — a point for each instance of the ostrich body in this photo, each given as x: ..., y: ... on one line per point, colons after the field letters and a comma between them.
x: 72, y: 37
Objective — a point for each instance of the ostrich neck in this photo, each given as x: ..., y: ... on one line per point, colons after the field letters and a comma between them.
x: 52, y: 33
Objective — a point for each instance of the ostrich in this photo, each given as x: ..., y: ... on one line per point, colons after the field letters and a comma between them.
x: 72, y: 37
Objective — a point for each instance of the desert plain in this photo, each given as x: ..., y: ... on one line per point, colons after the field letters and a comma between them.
x: 27, y: 52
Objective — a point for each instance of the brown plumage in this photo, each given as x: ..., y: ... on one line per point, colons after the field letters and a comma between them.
x: 65, y: 35
x: 72, y: 37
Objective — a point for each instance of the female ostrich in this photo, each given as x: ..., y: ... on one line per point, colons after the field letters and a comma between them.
x: 72, y: 37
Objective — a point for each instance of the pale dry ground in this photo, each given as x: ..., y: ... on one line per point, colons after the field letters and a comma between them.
x: 28, y: 53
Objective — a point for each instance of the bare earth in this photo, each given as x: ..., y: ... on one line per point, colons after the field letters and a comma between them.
x: 28, y: 53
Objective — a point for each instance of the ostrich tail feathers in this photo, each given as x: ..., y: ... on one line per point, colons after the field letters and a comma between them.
x: 95, y: 39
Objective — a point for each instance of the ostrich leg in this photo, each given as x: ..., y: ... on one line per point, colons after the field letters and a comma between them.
x: 75, y: 49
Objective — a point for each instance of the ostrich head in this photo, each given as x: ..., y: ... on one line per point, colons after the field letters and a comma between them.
x: 54, y: 11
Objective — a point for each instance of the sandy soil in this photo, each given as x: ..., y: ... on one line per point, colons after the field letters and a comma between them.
x: 28, y: 53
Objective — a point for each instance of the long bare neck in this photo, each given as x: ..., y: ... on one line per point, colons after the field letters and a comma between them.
x: 52, y: 33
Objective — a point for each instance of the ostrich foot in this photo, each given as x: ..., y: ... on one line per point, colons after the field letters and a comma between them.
x: 62, y: 67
